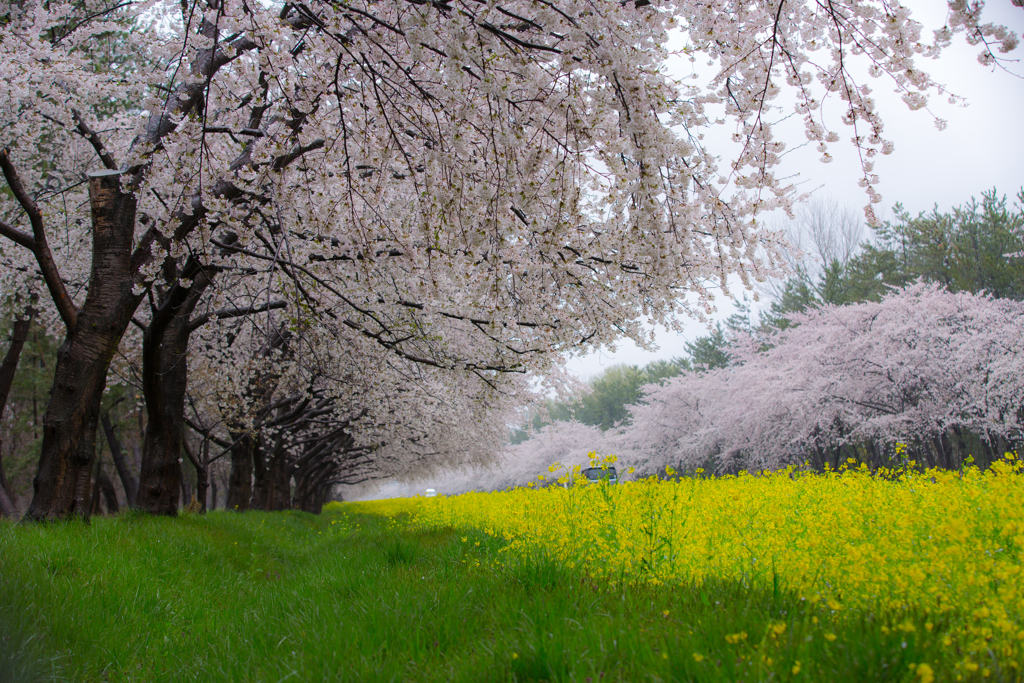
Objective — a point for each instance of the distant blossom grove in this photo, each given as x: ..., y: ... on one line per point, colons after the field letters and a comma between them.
x: 924, y: 375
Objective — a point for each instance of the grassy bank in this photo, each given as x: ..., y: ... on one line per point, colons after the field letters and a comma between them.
x: 349, y: 596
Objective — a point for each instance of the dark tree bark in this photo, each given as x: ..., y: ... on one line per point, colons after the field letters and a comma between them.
x: 7, y: 508
x: 280, y: 497
x: 164, y: 381
x: 316, y: 471
x: 272, y: 491
x: 109, y: 494
x: 94, y: 496
x: 19, y: 334
x: 240, y: 480
x: 103, y: 485
x: 946, y: 448
x: 203, y: 482
x: 202, y: 472
x: 317, y: 488
x: 308, y: 493
x: 247, y: 440
x: 961, y: 448
x: 261, y: 483
x: 116, y: 454
x: 186, y: 492
x: 61, y: 485
x: 986, y: 446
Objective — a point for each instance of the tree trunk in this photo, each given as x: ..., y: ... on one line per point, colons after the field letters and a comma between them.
x: 103, y: 486
x: 283, y: 491
x: 6, y: 495
x: 1004, y: 448
x: 164, y: 381
x: 260, y: 480
x: 309, y: 494
x: 273, y: 478
x: 947, y: 449
x: 127, y: 480
x: 109, y: 494
x: 986, y: 446
x: 247, y: 440
x: 19, y: 334
x: 240, y: 480
x: 302, y: 492
x: 317, y: 467
x: 202, y: 472
x: 7, y: 508
x: 279, y: 489
x: 186, y: 492
x: 61, y: 485
x: 961, y: 448
x: 94, y: 497
x: 319, y: 492
x: 203, y: 479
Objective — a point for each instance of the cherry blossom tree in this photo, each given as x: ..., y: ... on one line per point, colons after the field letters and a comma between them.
x: 339, y: 413
x: 938, y: 372
x: 473, y: 187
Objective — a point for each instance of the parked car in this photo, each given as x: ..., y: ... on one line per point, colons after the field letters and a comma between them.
x: 589, y: 474
x: 599, y: 473
x: 431, y: 493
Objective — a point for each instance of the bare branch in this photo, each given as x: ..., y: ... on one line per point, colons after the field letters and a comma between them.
x: 94, y: 139
x: 235, y: 312
x: 15, y: 235
x: 61, y: 299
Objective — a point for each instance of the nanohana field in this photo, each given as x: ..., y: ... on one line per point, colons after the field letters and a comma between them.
x: 948, y: 545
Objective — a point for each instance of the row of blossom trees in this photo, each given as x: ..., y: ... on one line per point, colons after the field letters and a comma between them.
x: 924, y: 375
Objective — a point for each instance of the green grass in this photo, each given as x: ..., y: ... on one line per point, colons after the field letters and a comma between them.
x: 346, y: 597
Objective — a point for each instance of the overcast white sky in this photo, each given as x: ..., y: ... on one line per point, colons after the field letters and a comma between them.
x: 981, y: 148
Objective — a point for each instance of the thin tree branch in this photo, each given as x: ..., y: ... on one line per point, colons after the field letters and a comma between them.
x: 61, y: 299
x: 94, y: 139
x: 235, y: 312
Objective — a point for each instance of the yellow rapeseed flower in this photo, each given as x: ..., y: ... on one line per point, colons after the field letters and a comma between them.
x: 925, y: 673
x: 941, y: 543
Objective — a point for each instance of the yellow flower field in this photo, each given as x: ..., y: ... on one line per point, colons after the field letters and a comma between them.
x: 948, y: 544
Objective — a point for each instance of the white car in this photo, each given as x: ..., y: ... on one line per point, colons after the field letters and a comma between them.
x: 431, y: 493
